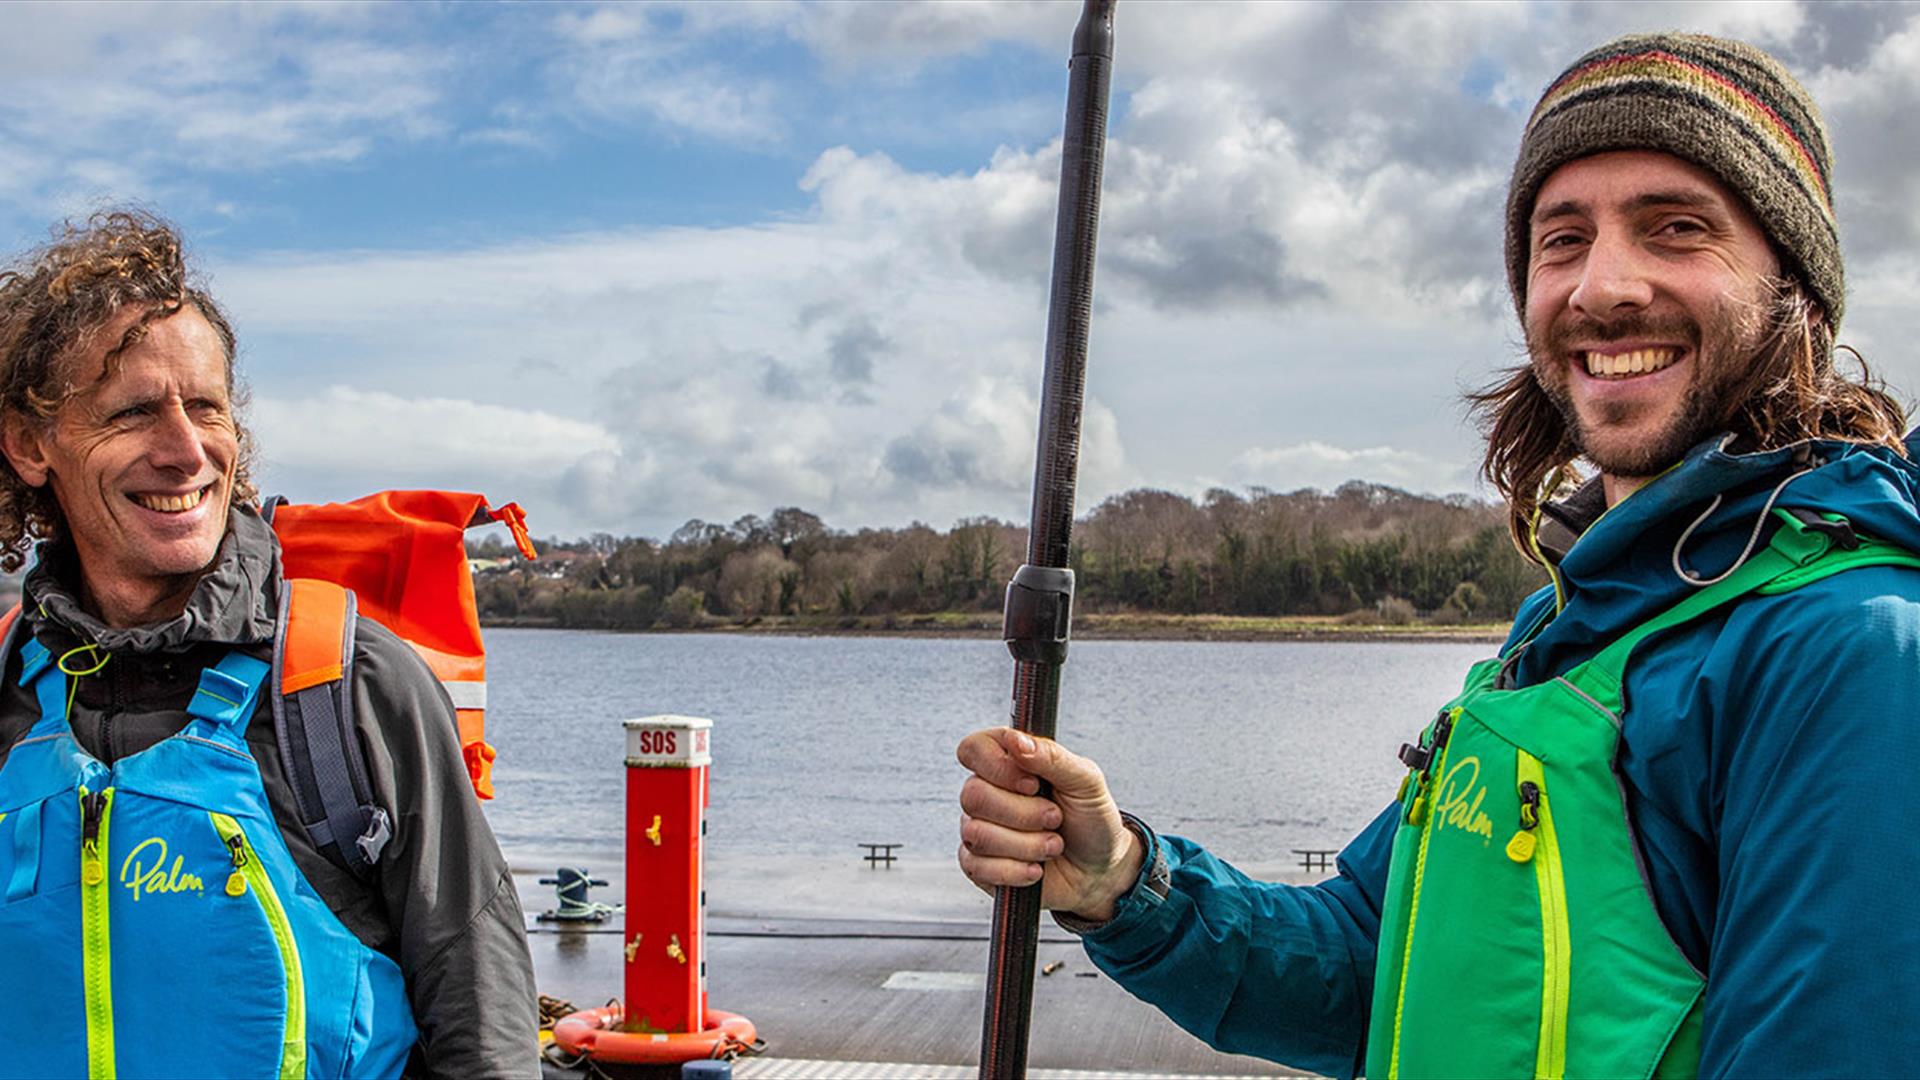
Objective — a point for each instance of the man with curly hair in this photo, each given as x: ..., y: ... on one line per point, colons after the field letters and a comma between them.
x: 1667, y: 830
x: 152, y: 599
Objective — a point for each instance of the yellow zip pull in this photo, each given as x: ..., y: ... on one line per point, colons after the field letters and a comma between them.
x: 236, y: 883
x: 1520, y: 848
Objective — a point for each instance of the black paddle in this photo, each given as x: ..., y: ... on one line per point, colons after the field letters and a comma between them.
x: 1040, y: 598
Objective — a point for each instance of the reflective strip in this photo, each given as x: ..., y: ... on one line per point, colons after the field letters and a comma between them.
x: 466, y: 694
x: 293, y: 1049
x: 96, y: 954
x: 1556, y: 944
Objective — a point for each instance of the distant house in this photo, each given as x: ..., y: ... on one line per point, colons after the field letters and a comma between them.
x: 555, y: 564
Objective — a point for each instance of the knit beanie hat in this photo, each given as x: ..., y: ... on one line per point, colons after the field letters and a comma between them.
x: 1727, y: 107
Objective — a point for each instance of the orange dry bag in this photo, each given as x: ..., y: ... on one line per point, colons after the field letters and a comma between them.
x: 403, y: 556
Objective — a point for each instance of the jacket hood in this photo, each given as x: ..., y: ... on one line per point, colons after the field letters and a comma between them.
x: 235, y: 603
x: 1707, y: 514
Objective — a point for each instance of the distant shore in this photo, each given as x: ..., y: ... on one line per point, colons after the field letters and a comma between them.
x: 1093, y: 626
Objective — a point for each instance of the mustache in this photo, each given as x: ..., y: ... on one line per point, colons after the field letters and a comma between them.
x: 1567, y: 334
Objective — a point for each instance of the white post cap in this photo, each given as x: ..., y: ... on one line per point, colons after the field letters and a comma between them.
x: 668, y: 742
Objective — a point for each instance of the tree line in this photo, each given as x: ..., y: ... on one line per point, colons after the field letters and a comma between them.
x: 1360, y: 548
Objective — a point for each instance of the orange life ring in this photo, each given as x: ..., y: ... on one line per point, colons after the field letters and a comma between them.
x: 596, y: 1033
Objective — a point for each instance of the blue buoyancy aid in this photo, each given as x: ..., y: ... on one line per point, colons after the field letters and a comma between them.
x: 153, y: 922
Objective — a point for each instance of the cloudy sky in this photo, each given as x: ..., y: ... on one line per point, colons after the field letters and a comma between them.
x: 631, y: 265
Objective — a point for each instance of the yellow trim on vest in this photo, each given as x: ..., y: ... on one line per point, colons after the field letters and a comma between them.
x: 1556, y: 942
x: 293, y: 1051
x: 1413, y: 905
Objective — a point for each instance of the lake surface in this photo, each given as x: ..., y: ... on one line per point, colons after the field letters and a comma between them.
x: 820, y: 743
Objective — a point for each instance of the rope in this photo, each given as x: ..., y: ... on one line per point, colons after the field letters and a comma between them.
x: 591, y: 909
x: 552, y: 1010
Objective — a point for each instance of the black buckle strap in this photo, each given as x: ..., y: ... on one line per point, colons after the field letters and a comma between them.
x: 1837, y: 529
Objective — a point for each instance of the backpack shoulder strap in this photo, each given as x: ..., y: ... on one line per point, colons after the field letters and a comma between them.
x: 9, y: 625
x: 10, y: 630
x: 313, y: 720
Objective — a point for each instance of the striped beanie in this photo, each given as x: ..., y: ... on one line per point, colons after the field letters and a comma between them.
x: 1724, y: 106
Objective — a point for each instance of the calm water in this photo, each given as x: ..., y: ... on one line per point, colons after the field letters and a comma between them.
x: 820, y: 743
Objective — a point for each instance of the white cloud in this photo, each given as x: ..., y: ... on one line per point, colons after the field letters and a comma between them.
x: 130, y: 100
x: 853, y: 34
x: 625, y: 65
x: 858, y: 362
x: 373, y: 432
x: 1300, y: 244
x: 1319, y: 465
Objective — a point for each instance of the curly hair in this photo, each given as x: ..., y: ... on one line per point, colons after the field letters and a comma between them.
x: 1791, y: 391
x: 54, y: 302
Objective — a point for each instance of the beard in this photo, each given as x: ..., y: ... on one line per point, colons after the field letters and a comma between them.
x: 1724, y: 347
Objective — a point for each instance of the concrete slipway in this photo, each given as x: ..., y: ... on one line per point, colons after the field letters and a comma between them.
x: 879, y: 973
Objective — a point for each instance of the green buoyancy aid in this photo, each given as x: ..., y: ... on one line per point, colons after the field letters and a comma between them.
x: 1518, y: 936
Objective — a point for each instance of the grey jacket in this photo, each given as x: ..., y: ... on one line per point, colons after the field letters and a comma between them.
x: 441, y: 902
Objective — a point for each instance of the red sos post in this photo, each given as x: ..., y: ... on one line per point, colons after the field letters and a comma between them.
x: 666, y: 983
x: 663, y: 1016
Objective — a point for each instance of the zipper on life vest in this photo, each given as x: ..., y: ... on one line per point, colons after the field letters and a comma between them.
x: 1520, y: 849
x: 1434, y: 758
x: 96, y: 957
x: 250, y: 875
x: 1556, y: 945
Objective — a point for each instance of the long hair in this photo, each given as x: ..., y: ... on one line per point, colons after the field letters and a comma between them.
x: 1792, y: 391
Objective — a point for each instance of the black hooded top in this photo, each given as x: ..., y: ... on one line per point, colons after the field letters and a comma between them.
x: 441, y: 901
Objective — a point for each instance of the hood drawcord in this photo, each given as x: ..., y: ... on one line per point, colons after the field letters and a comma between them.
x: 1554, y: 482
x: 75, y: 674
x: 1753, y: 538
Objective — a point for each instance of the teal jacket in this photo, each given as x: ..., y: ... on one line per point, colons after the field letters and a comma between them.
x: 1766, y: 764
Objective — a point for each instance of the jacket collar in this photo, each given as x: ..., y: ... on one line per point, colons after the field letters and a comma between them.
x: 235, y: 603
x: 1562, y: 523
x: 1699, y: 519
x: 1712, y: 468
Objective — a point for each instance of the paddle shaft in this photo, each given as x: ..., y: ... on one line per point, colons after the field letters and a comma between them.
x: 1039, y: 600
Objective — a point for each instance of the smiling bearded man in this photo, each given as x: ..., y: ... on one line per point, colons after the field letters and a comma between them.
x: 1665, y: 831
x: 167, y: 910
x: 1644, y: 362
